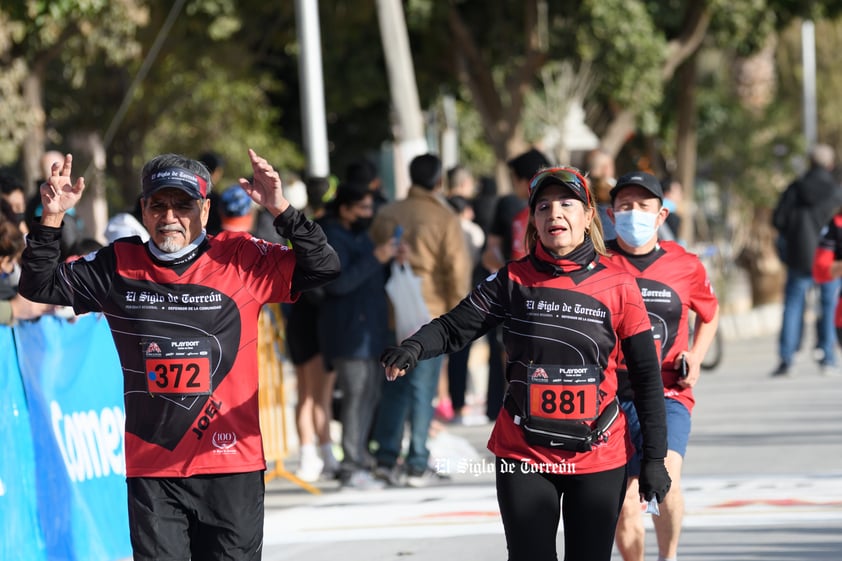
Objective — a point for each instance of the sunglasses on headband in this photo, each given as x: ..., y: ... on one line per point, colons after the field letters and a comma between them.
x: 570, y: 177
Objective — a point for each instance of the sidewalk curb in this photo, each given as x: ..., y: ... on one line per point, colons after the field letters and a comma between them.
x: 756, y: 322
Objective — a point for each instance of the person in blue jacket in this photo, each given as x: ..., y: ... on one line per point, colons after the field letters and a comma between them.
x: 354, y: 324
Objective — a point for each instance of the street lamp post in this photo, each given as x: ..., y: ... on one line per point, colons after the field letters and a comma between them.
x: 312, y: 87
x: 808, y: 58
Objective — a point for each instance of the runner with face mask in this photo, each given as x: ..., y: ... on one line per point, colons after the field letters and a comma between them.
x: 672, y: 282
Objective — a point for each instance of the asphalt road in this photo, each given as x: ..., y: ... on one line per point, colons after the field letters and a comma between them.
x: 762, y: 481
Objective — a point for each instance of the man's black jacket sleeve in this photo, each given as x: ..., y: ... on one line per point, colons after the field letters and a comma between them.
x: 316, y: 263
x: 44, y: 278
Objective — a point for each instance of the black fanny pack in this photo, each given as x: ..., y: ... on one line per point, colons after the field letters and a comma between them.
x: 574, y: 436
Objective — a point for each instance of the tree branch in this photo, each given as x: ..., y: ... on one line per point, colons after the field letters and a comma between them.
x: 480, y: 80
x: 696, y: 23
x: 518, y: 83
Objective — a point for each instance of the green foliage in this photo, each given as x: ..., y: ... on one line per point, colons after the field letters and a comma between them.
x: 227, y: 77
x: 789, y: 10
x: 752, y: 155
x: 225, y: 113
x: 755, y: 155
x: 474, y: 151
x: 668, y: 15
x: 626, y: 51
x: 357, y: 101
x: 57, y: 41
x: 742, y: 27
x: 79, y: 29
x: 202, y: 93
x: 828, y: 79
x: 15, y: 117
x: 748, y: 153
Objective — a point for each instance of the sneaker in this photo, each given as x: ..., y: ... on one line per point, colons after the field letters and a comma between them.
x: 390, y: 475
x: 363, y: 480
x: 781, y: 370
x: 425, y: 478
x: 444, y: 410
x: 474, y: 420
x: 331, y: 464
x: 310, y: 467
x: 829, y: 369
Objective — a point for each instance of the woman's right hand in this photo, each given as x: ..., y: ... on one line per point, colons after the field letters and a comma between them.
x: 399, y: 360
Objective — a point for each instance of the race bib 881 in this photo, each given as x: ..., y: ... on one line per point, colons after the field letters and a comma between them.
x: 564, y: 393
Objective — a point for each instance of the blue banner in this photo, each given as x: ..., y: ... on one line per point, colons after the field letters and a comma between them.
x: 74, y: 389
x: 20, y: 536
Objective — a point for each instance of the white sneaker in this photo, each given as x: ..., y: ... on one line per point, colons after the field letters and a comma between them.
x: 311, y: 465
x: 364, y: 481
x: 425, y: 478
x: 830, y: 369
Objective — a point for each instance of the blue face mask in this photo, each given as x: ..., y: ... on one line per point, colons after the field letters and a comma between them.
x: 635, y: 227
x: 669, y: 204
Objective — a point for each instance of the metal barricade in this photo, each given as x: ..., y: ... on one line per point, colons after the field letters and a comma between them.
x: 272, y: 395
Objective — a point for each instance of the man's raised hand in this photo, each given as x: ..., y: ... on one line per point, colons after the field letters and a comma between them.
x: 265, y: 188
x: 59, y: 193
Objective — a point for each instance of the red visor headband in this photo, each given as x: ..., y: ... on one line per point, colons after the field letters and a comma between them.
x: 569, y: 177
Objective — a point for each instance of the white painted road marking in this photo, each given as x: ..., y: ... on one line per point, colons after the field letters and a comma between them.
x: 472, y: 509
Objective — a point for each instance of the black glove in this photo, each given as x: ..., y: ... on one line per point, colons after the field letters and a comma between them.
x: 654, y: 480
x: 405, y: 356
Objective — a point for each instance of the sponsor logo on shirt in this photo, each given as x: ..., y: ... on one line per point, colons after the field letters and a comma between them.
x: 540, y: 374
x: 146, y: 297
x: 650, y: 294
x: 224, y: 441
x: 575, y: 309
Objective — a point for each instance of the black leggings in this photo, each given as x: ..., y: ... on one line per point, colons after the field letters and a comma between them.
x: 530, y: 504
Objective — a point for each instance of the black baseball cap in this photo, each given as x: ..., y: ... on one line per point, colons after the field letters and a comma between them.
x: 178, y: 178
x: 568, y: 177
x: 642, y: 179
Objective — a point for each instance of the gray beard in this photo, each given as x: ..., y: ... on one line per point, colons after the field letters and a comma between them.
x: 170, y: 245
x: 170, y: 253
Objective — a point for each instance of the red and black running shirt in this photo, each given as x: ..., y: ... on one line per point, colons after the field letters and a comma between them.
x: 672, y: 282
x: 186, y: 335
x: 576, y: 318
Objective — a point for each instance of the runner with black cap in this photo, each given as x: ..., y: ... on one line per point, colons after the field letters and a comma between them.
x: 183, y: 310
x: 672, y: 282
x: 560, y: 441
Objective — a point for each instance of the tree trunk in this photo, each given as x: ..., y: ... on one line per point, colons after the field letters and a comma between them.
x: 694, y: 28
x: 760, y: 258
x: 125, y: 161
x: 686, y: 144
x: 33, y: 144
x: 500, y: 115
x: 88, y: 151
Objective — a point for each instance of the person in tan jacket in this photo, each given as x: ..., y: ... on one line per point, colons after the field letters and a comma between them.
x: 437, y: 253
